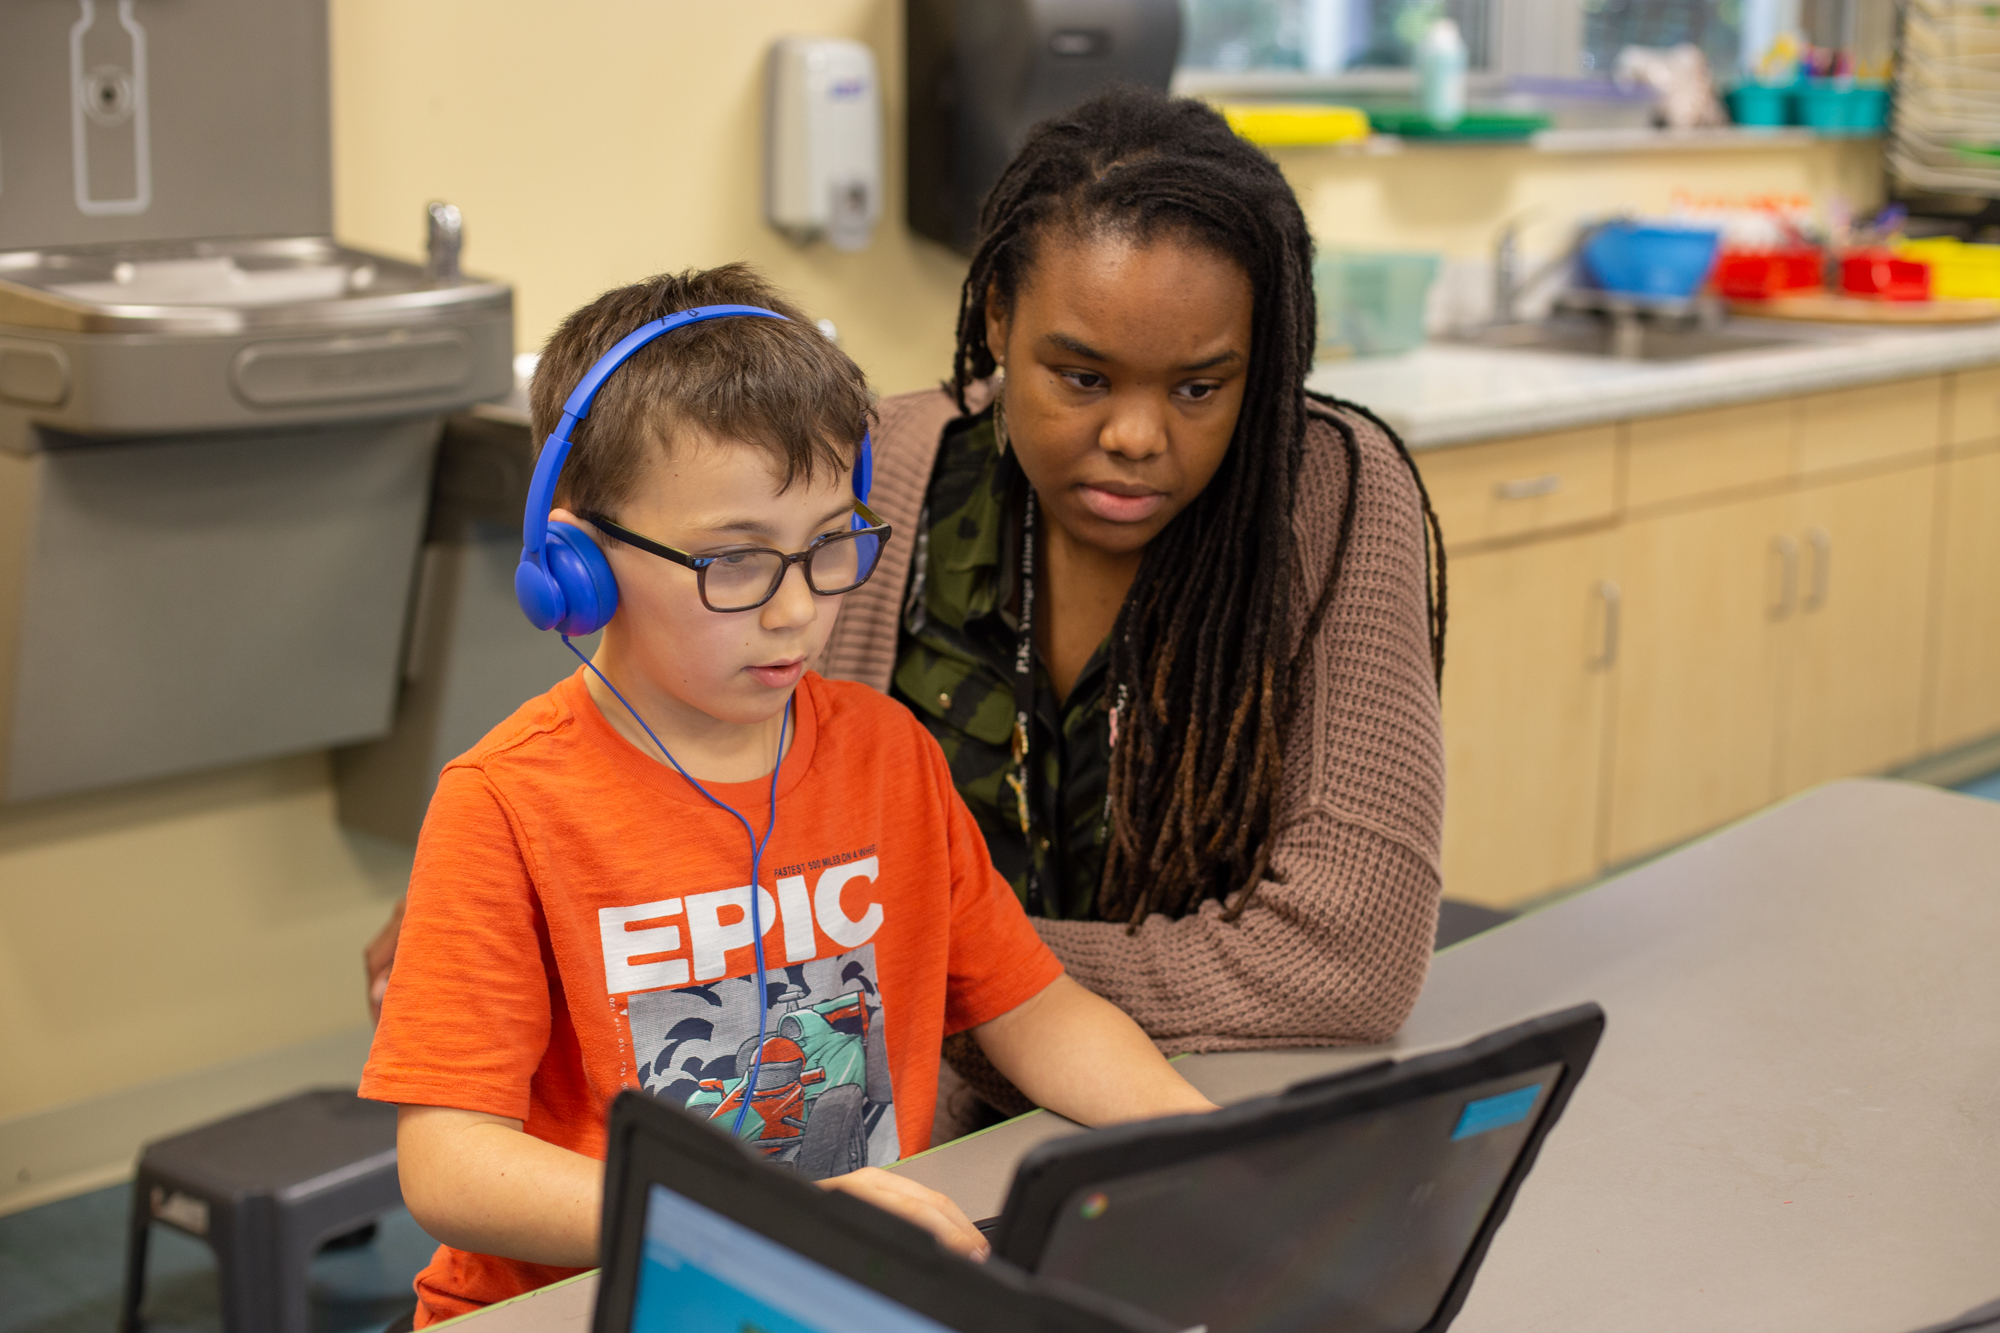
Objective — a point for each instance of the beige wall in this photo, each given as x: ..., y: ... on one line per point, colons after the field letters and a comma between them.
x: 591, y: 143
x: 149, y: 932
x: 159, y: 928
x: 594, y: 142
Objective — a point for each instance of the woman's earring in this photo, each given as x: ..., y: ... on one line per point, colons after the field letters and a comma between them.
x: 1000, y: 416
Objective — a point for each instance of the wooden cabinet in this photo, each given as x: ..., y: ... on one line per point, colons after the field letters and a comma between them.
x: 1855, y: 651
x: 1695, y: 454
x: 1974, y: 414
x: 1875, y: 423
x: 1965, y: 663
x: 1695, y: 726
x: 1777, y: 594
x: 1535, y: 484
x: 1770, y: 645
x: 1533, y: 642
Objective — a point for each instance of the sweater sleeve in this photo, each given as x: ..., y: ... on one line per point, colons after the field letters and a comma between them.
x: 1335, y: 942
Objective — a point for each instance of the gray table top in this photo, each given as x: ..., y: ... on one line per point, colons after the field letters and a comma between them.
x: 1793, y: 1121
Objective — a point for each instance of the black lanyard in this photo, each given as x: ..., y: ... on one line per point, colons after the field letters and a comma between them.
x: 1024, y: 705
x: 1021, y: 779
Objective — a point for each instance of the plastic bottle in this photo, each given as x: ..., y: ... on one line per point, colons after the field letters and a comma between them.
x: 1441, y: 64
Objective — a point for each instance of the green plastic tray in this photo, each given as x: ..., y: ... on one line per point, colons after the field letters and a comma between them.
x: 1411, y: 123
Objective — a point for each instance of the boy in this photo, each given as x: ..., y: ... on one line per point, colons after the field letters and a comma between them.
x: 578, y: 916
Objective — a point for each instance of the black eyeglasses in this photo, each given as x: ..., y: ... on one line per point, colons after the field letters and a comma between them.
x: 746, y: 577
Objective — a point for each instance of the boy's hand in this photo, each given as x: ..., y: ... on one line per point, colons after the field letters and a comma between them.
x: 915, y: 1204
x: 1082, y: 1056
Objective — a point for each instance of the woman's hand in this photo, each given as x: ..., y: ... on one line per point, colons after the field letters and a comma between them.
x: 915, y: 1204
x: 379, y: 957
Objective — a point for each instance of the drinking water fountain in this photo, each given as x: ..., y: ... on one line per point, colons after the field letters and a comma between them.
x: 217, y: 424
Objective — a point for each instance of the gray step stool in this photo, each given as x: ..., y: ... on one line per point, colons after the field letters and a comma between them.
x: 265, y: 1189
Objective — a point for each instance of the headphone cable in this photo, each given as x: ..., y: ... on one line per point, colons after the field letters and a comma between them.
x: 749, y: 1085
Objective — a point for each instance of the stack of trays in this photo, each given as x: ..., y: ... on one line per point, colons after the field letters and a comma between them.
x: 1945, y: 136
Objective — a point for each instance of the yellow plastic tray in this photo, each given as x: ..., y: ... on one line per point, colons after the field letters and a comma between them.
x: 1958, y: 271
x: 1295, y: 125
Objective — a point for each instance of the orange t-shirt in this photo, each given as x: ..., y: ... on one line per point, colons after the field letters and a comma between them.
x: 578, y: 924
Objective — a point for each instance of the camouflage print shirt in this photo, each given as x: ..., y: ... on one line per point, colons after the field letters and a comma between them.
x: 955, y: 671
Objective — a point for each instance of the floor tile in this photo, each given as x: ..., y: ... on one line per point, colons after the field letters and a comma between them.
x: 1988, y: 786
x: 62, y: 1269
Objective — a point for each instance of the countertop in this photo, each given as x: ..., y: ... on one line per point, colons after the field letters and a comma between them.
x: 1448, y: 393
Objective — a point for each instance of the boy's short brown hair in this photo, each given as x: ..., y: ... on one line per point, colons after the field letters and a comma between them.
x: 780, y: 385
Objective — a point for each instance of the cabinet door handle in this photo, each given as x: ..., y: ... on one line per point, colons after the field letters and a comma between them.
x: 1788, y: 575
x: 1614, y: 604
x: 1528, y: 488
x: 1821, y: 542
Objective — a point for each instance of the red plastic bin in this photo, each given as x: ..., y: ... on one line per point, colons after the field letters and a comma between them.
x: 1881, y: 274
x: 1754, y: 275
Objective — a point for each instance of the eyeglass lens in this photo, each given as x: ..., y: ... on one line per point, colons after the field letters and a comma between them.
x: 739, y: 580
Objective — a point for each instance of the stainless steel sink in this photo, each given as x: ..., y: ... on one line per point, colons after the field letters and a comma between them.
x: 1630, y: 340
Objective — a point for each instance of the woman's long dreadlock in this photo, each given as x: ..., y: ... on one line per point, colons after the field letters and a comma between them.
x: 1201, y: 643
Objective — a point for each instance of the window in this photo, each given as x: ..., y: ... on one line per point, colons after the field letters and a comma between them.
x: 1565, y: 38
x: 1322, y: 36
x: 1609, y: 26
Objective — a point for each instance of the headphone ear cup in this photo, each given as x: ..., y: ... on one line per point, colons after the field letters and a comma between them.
x: 580, y: 571
x: 539, y: 598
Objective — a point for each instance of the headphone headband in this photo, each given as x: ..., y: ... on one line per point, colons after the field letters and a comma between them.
x: 581, y: 596
x: 555, y: 450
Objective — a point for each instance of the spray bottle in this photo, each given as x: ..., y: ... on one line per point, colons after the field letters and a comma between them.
x: 1441, y: 62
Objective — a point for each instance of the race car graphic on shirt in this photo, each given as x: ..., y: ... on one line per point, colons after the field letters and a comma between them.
x: 823, y: 1104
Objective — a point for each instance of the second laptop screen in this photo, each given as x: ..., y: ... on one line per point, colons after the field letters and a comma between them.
x: 1359, y: 1224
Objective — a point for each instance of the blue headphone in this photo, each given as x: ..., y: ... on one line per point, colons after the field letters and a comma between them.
x: 563, y: 582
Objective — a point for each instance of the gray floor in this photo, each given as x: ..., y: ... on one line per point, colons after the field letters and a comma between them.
x: 62, y: 1265
x: 1988, y: 786
x: 62, y: 1268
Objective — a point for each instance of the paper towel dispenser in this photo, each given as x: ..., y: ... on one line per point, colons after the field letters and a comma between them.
x: 982, y: 71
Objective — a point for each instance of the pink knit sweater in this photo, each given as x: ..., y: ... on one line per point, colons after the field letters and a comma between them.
x: 1334, y: 945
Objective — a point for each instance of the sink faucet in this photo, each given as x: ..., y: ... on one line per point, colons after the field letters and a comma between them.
x: 445, y: 238
x: 1506, y: 284
x: 1509, y: 286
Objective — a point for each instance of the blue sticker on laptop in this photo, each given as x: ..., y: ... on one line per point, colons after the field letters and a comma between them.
x: 1497, y: 1112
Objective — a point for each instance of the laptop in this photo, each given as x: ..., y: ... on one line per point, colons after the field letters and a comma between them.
x: 704, y: 1236
x: 1362, y: 1202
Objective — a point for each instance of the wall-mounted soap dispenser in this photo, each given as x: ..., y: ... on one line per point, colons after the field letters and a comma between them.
x: 982, y: 71
x: 823, y: 141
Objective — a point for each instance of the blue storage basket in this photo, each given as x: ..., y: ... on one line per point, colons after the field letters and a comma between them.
x: 1646, y: 259
x: 1760, y: 105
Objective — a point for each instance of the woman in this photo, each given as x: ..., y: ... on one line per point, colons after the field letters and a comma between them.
x: 1218, y: 784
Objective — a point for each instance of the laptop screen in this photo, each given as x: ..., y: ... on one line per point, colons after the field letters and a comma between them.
x: 700, y: 1271
x: 1359, y: 1223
